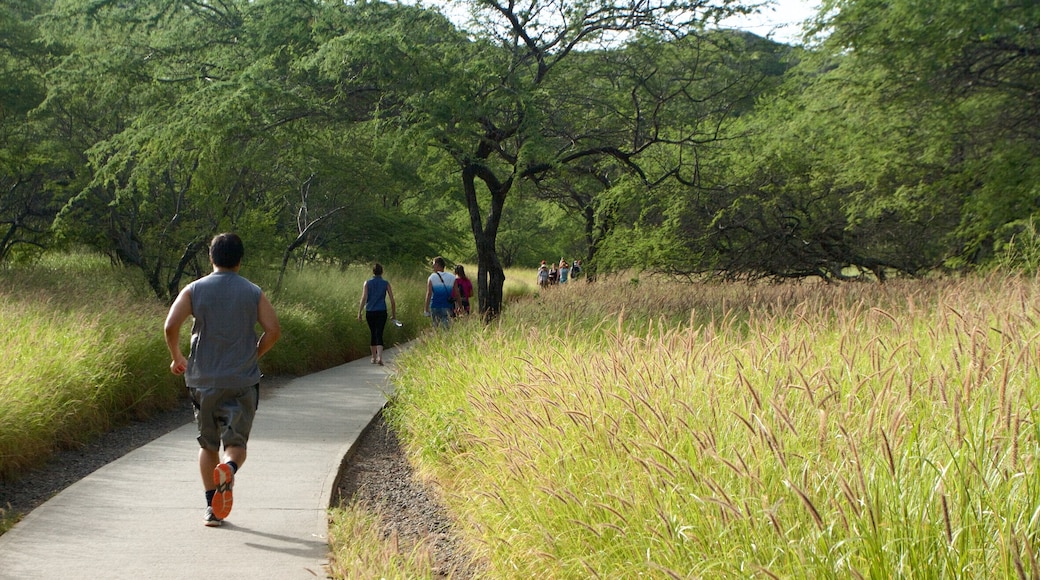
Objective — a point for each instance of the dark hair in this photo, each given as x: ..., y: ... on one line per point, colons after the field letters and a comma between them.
x: 438, y: 261
x: 226, y: 250
x: 460, y: 271
x: 377, y: 269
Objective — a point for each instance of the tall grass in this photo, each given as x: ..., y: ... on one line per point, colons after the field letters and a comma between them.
x: 318, y: 312
x: 622, y: 430
x: 363, y: 552
x: 81, y: 354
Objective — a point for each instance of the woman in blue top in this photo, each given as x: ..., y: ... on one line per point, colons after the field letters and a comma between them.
x: 373, y: 302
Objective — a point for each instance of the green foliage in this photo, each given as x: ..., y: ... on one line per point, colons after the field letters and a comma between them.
x: 640, y: 217
x: 334, y: 133
x: 952, y: 97
x: 30, y: 168
x: 21, y: 85
x: 223, y: 127
x: 85, y: 352
x: 897, y: 145
x: 1021, y: 251
x: 538, y: 232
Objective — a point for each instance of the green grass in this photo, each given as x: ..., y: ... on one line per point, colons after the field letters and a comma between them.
x: 362, y: 552
x: 83, y: 352
x: 799, y: 431
x: 318, y: 311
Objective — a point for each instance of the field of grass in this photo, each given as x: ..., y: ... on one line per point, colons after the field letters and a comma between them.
x: 625, y: 430
x: 83, y: 351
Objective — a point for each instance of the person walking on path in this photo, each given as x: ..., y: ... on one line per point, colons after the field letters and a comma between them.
x: 465, y: 289
x: 221, y: 371
x: 543, y: 275
x: 373, y: 302
x: 564, y: 270
x: 441, y: 294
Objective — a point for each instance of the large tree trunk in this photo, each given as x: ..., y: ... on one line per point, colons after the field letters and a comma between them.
x: 490, y: 276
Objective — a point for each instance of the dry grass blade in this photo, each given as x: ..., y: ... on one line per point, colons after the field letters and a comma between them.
x: 808, y: 505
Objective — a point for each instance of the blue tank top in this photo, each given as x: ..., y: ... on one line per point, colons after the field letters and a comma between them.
x: 376, y: 294
x: 223, y: 337
x: 442, y: 284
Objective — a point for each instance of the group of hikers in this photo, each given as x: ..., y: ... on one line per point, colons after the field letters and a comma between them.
x: 447, y: 296
x: 552, y: 274
x: 221, y: 370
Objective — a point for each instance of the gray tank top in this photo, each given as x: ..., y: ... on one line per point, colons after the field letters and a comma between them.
x: 223, y: 336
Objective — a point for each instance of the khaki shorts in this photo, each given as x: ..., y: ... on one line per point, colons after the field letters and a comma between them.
x: 224, y: 415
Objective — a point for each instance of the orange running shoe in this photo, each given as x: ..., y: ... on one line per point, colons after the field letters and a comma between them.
x: 224, y: 479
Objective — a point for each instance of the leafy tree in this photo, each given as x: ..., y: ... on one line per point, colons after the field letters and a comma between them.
x: 124, y: 73
x: 354, y: 204
x: 503, y: 121
x: 800, y: 198
x: 30, y: 169
x: 963, y: 79
x: 216, y: 123
x: 889, y: 149
x: 673, y: 100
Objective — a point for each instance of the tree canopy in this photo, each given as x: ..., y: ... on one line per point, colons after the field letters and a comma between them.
x: 901, y: 138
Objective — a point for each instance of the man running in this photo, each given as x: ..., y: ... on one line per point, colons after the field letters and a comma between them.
x: 221, y: 371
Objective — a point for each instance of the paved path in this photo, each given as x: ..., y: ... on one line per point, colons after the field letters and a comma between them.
x: 140, y: 516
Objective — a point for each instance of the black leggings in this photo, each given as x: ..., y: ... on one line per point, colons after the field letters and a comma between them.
x: 376, y: 322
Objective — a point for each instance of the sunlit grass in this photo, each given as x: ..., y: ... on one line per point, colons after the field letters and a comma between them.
x: 520, y: 284
x: 625, y: 429
x: 318, y: 311
x: 364, y: 552
x: 82, y: 352
x: 618, y: 430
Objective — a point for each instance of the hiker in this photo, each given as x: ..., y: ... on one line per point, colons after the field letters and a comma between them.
x: 374, y: 293
x: 465, y: 288
x: 441, y: 294
x: 564, y: 271
x: 543, y: 275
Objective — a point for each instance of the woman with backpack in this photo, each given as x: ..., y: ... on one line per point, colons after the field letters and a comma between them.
x: 465, y: 288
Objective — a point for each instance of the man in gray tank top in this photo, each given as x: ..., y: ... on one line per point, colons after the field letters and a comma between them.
x: 221, y: 371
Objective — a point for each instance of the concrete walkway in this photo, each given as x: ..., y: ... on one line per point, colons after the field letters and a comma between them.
x: 141, y: 515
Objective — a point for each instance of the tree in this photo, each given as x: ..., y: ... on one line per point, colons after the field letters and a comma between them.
x: 351, y: 204
x: 31, y: 170
x: 672, y: 101
x: 499, y: 119
x: 964, y: 78
x: 808, y: 193
x: 889, y: 149
x: 214, y: 124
